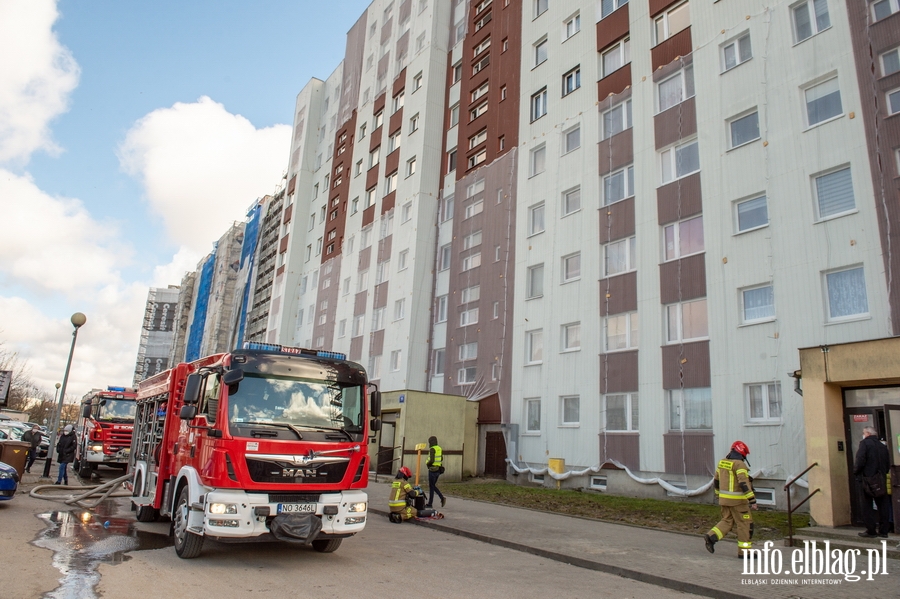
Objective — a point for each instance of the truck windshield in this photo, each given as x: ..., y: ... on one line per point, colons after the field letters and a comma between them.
x: 117, y: 410
x: 298, y: 402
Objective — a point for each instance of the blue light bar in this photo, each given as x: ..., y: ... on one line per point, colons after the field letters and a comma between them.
x: 284, y: 349
x: 119, y: 389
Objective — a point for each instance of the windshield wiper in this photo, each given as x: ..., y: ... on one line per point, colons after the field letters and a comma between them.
x: 295, y: 430
x: 338, y: 430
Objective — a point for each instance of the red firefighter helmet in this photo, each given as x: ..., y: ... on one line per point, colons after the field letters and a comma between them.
x: 406, y: 472
x: 741, y: 448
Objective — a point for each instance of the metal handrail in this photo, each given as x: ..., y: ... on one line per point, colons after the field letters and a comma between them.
x: 791, y: 510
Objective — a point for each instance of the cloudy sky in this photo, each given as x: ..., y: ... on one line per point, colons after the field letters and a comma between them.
x: 131, y: 135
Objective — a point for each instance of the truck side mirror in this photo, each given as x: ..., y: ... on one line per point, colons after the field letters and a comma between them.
x: 192, y: 388
x: 188, y: 412
x: 86, y: 411
x: 233, y: 377
x: 376, y: 403
x: 375, y: 424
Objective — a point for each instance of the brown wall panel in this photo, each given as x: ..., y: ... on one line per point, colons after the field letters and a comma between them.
x: 619, y: 372
x: 376, y: 345
x: 365, y: 259
x: 288, y: 213
x: 689, y: 453
x: 676, y: 123
x: 292, y: 184
x: 616, y: 151
x: 682, y: 280
x: 617, y: 220
x: 614, y: 83
x: 391, y: 162
x: 356, y: 345
x: 379, y: 103
x: 657, y: 6
x: 384, y: 248
x: 622, y: 292
x: 368, y: 216
x: 624, y: 448
x: 282, y: 247
x: 679, y: 199
x: 613, y: 27
x: 400, y: 81
x: 381, y: 295
x: 677, y: 45
x: 686, y: 365
x: 489, y: 410
x: 395, y: 123
x: 359, y: 303
x: 372, y: 176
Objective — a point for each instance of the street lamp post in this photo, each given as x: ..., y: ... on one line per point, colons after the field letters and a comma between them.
x: 78, y: 319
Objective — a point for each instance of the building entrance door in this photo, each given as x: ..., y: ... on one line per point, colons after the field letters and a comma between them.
x: 495, y: 455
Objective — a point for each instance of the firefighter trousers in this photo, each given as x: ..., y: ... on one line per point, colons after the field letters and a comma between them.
x: 739, y: 518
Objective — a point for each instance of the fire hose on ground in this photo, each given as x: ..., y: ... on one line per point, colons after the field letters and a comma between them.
x: 105, y: 491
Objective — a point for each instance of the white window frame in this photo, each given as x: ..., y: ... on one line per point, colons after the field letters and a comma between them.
x: 614, y: 4
x: 396, y: 359
x: 743, y: 299
x: 571, y: 139
x: 571, y: 268
x: 572, y: 402
x: 736, y: 46
x: 359, y: 324
x: 537, y: 219
x: 818, y: 203
x: 537, y: 160
x: 444, y: 257
x: 806, y: 102
x: 736, y: 119
x: 884, y: 68
x: 629, y: 245
x: 678, y: 396
x: 570, y: 337
x: 827, y: 289
x: 342, y: 328
x: 627, y: 174
x: 676, y: 239
x: 670, y: 158
x: 540, y: 7
x: 534, y: 347
x: 541, y: 51
x: 676, y: 311
x: 815, y: 27
x: 531, y: 292
x: 632, y: 413
x: 571, y: 81
x: 571, y: 26
x: 618, y: 115
x: 470, y: 294
x: 532, y: 416
x: 737, y: 213
x: 362, y: 281
x: 468, y: 351
x: 390, y: 183
x: 469, y: 262
x: 441, y: 309
x: 892, y: 5
x: 892, y: 101
x: 377, y: 319
x: 477, y: 158
x: 568, y: 198
x: 472, y: 240
x: 662, y: 28
x: 399, y: 309
x: 411, y: 167
x: 765, y: 393
x: 538, y: 105
x: 468, y: 317
x: 630, y: 322
x: 439, y: 355
x: 622, y: 49
x: 686, y: 88
x: 473, y: 208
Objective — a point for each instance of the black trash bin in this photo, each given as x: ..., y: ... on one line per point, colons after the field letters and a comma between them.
x: 15, y: 453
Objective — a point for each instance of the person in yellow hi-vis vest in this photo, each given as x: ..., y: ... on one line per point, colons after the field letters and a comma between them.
x: 435, y: 465
x: 734, y: 488
x: 402, y: 494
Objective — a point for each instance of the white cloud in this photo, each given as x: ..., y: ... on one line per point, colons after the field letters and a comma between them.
x: 202, y: 167
x: 183, y: 262
x: 35, y: 89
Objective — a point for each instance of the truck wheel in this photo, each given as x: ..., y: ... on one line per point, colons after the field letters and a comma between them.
x: 326, y: 545
x: 85, y: 470
x: 187, y: 544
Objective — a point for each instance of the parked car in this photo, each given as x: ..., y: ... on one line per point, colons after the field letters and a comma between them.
x: 14, y: 433
x: 9, y: 481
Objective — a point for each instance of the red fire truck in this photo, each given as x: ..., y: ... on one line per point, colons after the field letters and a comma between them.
x: 266, y: 442
x: 107, y: 421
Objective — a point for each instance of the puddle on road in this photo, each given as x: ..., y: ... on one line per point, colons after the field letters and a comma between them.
x: 82, y: 539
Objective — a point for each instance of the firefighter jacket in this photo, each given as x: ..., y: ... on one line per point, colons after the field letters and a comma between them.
x: 400, y: 491
x: 435, y: 458
x: 732, y: 482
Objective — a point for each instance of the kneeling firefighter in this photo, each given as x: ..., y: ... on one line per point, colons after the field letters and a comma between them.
x: 403, y: 497
x: 734, y: 488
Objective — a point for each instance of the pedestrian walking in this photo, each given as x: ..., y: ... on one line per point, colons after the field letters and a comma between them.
x: 65, y: 454
x: 435, y: 465
x: 734, y: 488
x: 871, y: 468
x: 34, y: 436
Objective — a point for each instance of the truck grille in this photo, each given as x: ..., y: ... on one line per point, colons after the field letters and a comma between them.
x: 293, y: 497
x: 262, y: 471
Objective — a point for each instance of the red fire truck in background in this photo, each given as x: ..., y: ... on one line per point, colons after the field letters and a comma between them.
x: 264, y: 442
x: 105, y: 436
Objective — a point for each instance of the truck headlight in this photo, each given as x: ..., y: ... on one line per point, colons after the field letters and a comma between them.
x: 96, y: 447
x: 222, y: 508
x: 357, y: 507
x: 5, y: 475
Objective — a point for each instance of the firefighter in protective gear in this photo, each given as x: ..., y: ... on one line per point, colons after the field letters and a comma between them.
x: 402, y: 494
x: 734, y: 488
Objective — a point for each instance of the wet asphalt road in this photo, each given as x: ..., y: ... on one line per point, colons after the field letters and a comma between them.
x: 62, y: 552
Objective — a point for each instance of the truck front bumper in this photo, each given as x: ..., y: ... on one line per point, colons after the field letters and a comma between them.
x: 98, y: 457
x: 235, y: 514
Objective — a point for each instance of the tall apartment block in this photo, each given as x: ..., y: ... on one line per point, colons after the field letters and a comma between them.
x: 157, y: 333
x: 613, y: 224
